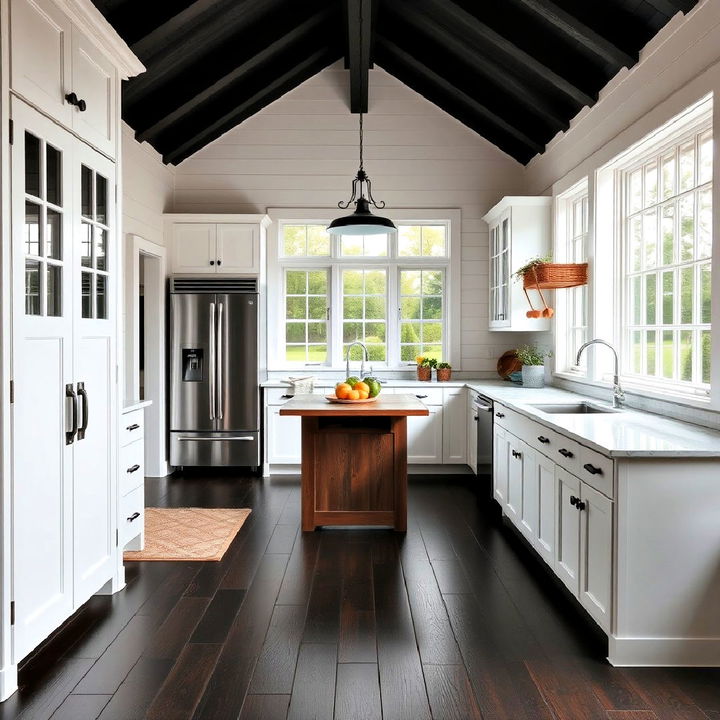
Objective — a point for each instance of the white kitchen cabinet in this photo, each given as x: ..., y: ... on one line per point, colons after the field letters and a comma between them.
x: 530, y: 497
x: 215, y: 244
x: 425, y: 437
x: 131, y: 480
x: 519, y: 230
x: 55, y: 67
x: 472, y: 429
x: 501, y: 456
x: 284, y: 437
x: 544, y: 470
x: 596, y: 542
x: 567, y: 559
x: 454, y: 422
x: 516, y: 457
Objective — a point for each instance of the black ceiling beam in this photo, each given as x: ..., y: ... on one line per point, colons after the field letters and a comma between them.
x: 282, y: 83
x: 358, y: 52
x: 523, y: 93
x: 447, y: 10
x: 578, y: 31
x: 171, y: 115
x: 439, y: 90
x: 672, y: 7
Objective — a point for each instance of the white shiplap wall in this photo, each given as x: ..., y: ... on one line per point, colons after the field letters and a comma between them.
x: 302, y: 151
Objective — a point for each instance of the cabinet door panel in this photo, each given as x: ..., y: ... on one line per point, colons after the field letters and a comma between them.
x: 515, y: 480
x: 545, y: 538
x: 596, y: 553
x: 194, y: 248
x: 500, y: 465
x: 567, y: 561
x: 530, y: 498
x: 40, y: 56
x: 472, y: 430
x: 424, y: 435
x: 238, y: 249
x: 454, y: 427
x: 94, y: 81
x: 284, y: 437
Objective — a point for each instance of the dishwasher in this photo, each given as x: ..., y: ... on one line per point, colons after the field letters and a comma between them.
x: 482, y: 408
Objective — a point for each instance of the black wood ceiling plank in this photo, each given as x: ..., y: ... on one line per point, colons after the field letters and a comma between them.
x: 212, y: 129
x: 190, y: 45
x: 504, y: 81
x: 451, y: 13
x: 358, y: 52
x: 672, y: 7
x: 249, y: 64
x: 431, y: 79
x: 584, y: 35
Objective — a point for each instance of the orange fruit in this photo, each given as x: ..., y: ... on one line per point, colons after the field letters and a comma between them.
x: 353, y: 395
x: 342, y: 391
x: 362, y: 387
x: 363, y: 395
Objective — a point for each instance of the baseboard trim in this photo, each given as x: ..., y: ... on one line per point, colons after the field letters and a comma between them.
x: 664, y: 652
x: 8, y: 682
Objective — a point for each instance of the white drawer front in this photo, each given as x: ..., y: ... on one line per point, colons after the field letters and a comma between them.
x: 277, y: 396
x: 132, y: 515
x: 596, y: 470
x: 567, y: 455
x: 132, y: 426
x: 132, y: 466
x: 514, y: 422
x: 430, y: 396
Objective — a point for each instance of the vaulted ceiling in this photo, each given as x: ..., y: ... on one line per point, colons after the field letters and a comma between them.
x: 515, y: 71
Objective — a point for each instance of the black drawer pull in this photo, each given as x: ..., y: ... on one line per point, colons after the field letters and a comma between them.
x: 565, y: 453
x: 544, y: 440
x: 132, y: 427
x: 219, y: 262
x: 592, y: 469
x: 212, y: 262
x: 73, y: 99
x: 134, y: 516
x: 133, y: 469
x: 286, y: 397
x: 574, y: 500
x: 500, y: 415
x: 580, y: 505
x: 516, y: 454
x: 421, y: 397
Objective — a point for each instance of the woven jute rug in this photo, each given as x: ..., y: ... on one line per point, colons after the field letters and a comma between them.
x: 188, y: 533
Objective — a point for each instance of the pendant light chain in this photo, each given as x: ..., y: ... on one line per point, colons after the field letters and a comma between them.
x: 362, y: 167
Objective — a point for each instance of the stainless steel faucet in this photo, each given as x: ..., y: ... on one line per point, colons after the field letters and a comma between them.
x: 364, y: 357
x: 618, y: 394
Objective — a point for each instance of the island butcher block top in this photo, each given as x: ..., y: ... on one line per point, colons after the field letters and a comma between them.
x: 388, y: 405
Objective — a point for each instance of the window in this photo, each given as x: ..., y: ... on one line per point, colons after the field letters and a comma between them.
x: 390, y: 292
x: 571, y: 246
x: 666, y: 255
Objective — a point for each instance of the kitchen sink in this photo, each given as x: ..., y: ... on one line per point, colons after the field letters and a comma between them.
x: 579, y: 408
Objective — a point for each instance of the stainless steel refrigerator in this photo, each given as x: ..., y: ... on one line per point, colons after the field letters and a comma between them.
x: 214, y: 392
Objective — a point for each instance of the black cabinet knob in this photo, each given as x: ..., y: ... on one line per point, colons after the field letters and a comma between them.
x: 499, y: 414
x: 133, y: 469
x: 565, y: 453
x: 134, y: 516
x: 475, y: 418
x: 132, y: 427
x: 420, y: 397
x: 543, y: 439
x: 580, y: 505
x: 592, y: 469
x: 75, y: 101
x: 516, y: 454
x: 574, y: 500
x: 212, y: 262
x: 219, y: 262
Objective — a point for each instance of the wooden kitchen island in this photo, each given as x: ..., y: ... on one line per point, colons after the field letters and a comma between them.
x: 354, y: 460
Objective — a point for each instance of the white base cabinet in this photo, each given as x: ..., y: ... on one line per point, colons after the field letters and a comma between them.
x: 425, y: 438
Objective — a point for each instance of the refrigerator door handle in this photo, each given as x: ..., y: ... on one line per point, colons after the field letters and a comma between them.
x: 220, y: 361
x: 211, y: 363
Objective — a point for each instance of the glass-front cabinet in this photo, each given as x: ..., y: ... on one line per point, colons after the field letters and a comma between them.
x: 519, y: 230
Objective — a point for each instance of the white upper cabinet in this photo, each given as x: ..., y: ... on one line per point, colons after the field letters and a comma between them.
x: 216, y: 244
x: 56, y: 68
x: 519, y: 230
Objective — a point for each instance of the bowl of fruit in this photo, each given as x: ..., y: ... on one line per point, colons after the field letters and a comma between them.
x: 355, y: 390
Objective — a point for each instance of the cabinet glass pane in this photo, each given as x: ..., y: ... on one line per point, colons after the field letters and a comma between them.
x: 101, y: 199
x: 53, y: 178
x: 32, y: 165
x: 53, y: 235
x: 86, y: 192
x: 101, y: 294
x: 32, y: 228
x: 32, y: 287
x: 53, y: 286
x: 86, y: 290
x: 100, y: 248
x: 86, y: 231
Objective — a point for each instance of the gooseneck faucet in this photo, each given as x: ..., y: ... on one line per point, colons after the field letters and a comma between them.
x: 364, y: 357
x: 618, y: 394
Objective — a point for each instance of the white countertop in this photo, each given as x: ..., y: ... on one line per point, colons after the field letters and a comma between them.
x: 135, y: 406
x: 628, y: 433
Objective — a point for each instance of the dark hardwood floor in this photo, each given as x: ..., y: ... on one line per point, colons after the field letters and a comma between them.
x: 456, y: 619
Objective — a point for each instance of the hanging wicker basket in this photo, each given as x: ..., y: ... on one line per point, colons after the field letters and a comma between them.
x: 550, y: 276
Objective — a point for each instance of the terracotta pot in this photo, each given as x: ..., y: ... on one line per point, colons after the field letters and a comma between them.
x: 444, y: 374
x: 424, y: 373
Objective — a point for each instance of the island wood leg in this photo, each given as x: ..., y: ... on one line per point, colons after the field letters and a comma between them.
x: 307, y: 468
x: 399, y: 426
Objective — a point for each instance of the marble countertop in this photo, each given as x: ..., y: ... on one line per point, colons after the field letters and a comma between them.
x: 135, y: 406
x: 627, y: 433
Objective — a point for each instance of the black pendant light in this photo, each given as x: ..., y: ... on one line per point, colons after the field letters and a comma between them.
x: 362, y: 221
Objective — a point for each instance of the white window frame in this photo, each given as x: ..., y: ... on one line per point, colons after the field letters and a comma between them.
x: 450, y: 264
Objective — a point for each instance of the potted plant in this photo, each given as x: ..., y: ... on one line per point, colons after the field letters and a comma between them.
x: 425, y: 366
x: 532, y: 358
x: 443, y: 372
